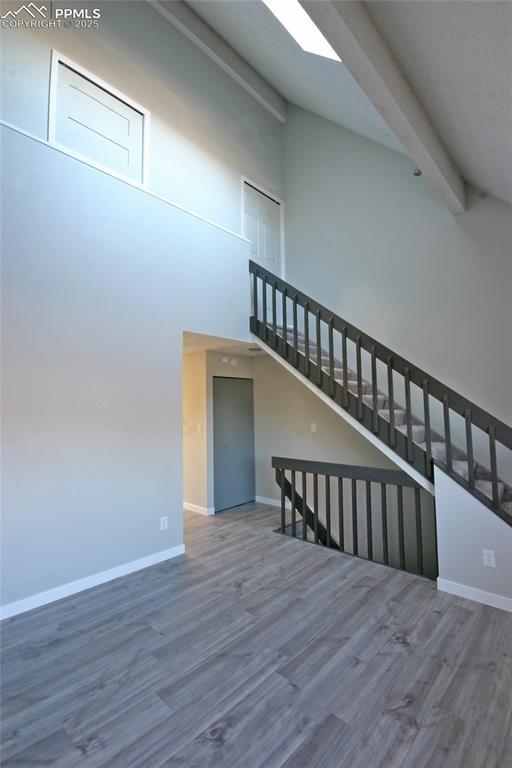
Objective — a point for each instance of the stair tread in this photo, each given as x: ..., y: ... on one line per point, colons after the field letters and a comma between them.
x: 483, y: 481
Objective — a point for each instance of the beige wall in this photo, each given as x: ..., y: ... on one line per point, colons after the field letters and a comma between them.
x: 194, y: 429
x: 284, y: 411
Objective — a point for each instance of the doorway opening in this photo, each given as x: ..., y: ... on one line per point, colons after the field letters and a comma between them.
x: 218, y: 423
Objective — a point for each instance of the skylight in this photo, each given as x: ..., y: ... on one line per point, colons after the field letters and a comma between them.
x: 296, y: 21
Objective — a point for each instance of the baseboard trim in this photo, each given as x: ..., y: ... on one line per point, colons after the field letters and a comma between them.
x: 73, y: 587
x: 200, y: 510
x: 478, y: 595
x: 272, y: 502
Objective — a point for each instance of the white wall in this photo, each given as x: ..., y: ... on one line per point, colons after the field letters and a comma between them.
x: 99, y: 281
x: 206, y: 131
x: 367, y: 238
x: 464, y: 528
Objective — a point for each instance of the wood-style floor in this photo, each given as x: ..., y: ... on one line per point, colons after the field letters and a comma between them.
x: 257, y: 650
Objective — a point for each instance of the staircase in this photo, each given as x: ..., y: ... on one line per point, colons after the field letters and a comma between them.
x: 420, y: 419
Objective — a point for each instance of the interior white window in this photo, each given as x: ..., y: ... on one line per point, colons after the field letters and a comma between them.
x: 95, y: 121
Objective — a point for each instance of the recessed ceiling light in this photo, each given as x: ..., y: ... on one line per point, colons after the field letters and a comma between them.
x: 301, y: 27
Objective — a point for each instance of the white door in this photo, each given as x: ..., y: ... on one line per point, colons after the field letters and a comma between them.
x: 98, y: 125
x: 262, y: 226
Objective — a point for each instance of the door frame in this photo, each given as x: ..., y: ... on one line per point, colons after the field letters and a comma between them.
x: 210, y: 446
x: 55, y: 59
x: 280, y: 202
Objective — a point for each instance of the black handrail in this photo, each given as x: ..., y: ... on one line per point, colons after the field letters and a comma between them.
x: 364, y: 405
x: 352, y: 471
x: 458, y: 403
x: 393, y: 528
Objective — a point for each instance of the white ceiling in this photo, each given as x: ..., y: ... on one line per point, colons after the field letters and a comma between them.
x: 457, y: 56
x: 320, y: 85
x: 200, y: 342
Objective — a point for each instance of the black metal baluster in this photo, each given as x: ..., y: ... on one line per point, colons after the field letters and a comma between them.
x: 469, y: 448
x: 283, y: 501
x: 331, y: 356
x: 369, y: 531
x: 355, y: 548
x: 408, y: 412
x: 401, y: 539
x: 304, y: 503
x: 294, y: 519
x: 375, y: 392
x: 255, y: 295
x: 274, y: 313
x: 419, y: 536
x: 359, y: 380
x: 391, y: 404
x: 315, y: 506
x: 295, y: 332
x: 428, y: 432
x: 341, y: 522
x: 384, y: 518
x: 494, y: 467
x: 264, y: 308
x: 318, y: 349
x: 328, y: 508
x: 306, y: 338
x: 344, y: 362
x: 447, y: 432
x: 285, y: 329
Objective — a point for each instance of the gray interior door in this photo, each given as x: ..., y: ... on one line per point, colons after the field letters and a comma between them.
x: 233, y: 442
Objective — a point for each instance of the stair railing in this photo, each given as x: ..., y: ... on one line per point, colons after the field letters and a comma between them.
x: 276, y: 304
x: 381, y: 515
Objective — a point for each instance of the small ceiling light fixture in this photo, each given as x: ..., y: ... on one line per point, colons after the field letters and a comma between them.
x: 301, y: 27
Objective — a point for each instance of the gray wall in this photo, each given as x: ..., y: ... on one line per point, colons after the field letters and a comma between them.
x: 205, y: 129
x: 99, y: 280
x: 367, y: 238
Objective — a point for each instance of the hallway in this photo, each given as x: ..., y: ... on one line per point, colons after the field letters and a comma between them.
x: 258, y: 650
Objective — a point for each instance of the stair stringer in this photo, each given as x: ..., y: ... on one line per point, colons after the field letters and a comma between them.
x: 354, y: 423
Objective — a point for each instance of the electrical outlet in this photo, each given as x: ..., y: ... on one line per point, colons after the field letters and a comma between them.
x: 489, y: 558
x: 313, y: 426
x: 164, y: 523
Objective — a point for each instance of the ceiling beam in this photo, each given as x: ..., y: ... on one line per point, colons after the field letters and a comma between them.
x: 214, y: 46
x: 349, y: 29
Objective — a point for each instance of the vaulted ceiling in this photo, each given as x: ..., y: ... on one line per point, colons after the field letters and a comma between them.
x: 456, y: 56
x: 320, y: 85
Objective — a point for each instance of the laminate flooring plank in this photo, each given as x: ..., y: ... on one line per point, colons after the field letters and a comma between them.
x: 256, y: 650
